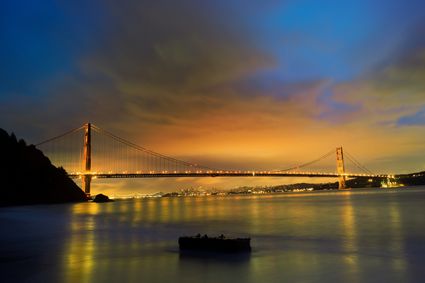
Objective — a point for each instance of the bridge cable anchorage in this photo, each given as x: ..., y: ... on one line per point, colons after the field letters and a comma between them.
x: 60, y: 136
x: 309, y: 163
x: 148, y: 151
x: 358, y: 164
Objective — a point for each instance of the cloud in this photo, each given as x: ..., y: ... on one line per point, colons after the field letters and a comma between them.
x: 417, y: 119
x: 175, y: 69
x: 152, y: 62
x: 395, y: 91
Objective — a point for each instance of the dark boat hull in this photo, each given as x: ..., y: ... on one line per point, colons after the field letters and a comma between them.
x: 215, y: 244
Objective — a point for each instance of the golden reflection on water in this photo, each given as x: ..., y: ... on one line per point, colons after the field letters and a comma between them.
x: 350, y: 240
x: 81, y: 246
x: 294, y: 226
x: 137, y: 216
x: 399, y: 261
x: 88, y: 243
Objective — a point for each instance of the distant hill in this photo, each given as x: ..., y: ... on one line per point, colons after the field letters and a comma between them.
x: 412, y: 179
x: 28, y: 177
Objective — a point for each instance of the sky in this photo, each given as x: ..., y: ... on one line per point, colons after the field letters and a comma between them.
x: 228, y: 84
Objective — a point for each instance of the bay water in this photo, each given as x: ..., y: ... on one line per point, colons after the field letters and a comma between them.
x: 362, y: 235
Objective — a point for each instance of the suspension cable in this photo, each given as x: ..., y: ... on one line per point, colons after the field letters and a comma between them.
x: 357, y: 164
x: 309, y: 163
x: 153, y: 153
x: 60, y: 136
x: 176, y: 162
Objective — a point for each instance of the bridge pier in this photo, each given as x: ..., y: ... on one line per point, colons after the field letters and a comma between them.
x: 340, y: 167
x: 86, y: 180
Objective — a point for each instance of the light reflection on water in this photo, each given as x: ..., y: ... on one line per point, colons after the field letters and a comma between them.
x: 351, y: 236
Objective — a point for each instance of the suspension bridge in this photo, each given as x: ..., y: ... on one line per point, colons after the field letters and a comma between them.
x: 90, y: 152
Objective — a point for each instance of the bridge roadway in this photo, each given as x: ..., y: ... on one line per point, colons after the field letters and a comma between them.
x: 222, y: 174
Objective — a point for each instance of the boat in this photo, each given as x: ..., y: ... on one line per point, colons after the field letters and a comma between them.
x: 214, y: 244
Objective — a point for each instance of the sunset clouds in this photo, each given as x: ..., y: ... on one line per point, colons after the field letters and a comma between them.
x: 234, y: 84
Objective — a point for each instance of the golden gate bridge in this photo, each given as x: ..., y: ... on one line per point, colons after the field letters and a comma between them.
x: 90, y: 152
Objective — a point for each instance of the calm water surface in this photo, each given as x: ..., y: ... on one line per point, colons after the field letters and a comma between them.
x: 351, y: 236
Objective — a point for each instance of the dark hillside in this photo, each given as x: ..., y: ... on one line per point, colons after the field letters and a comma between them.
x: 28, y: 177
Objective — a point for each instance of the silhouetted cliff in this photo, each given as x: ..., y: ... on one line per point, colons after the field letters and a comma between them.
x: 28, y: 177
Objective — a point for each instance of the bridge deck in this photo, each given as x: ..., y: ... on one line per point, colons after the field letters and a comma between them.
x: 221, y: 174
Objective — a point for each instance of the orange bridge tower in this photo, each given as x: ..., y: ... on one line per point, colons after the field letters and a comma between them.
x: 340, y: 167
x: 87, y: 159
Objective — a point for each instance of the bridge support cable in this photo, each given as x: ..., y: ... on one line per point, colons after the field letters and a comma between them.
x: 60, y: 136
x: 132, y: 155
x: 65, y: 150
x: 114, y: 157
x: 358, y: 164
x: 294, y: 168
